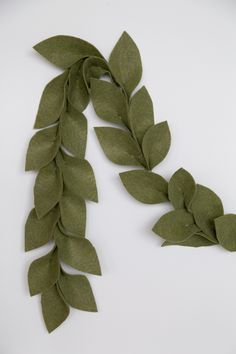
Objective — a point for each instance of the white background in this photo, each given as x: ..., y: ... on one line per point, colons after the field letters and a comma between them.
x: 151, y: 299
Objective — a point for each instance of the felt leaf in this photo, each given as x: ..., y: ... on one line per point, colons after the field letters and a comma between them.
x: 74, y: 132
x: 145, y: 186
x: 55, y: 311
x: 226, y: 231
x: 156, y: 143
x: 193, y: 241
x: 125, y: 63
x: 119, y: 146
x: 181, y: 189
x: 39, y: 231
x: 73, y: 213
x: 43, y: 272
x: 52, y: 102
x: 77, y: 252
x: 78, y: 94
x: 48, y: 189
x: 206, y: 206
x: 141, y: 114
x: 176, y: 226
x: 108, y: 101
x: 64, y: 51
x: 77, y: 292
x: 79, y: 178
x: 94, y: 68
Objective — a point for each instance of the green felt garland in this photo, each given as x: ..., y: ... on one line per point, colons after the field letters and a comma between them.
x: 66, y: 179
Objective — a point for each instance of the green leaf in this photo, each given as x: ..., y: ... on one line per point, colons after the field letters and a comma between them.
x: 64, y: 51
x: 206, y: 206
x: 42, y: 148
x: 39, y: 231
x: 125, y: 63
x: 55, y: 310
x: 156, y: 143
x: 48, y: 189
x: 78, y: 94
x: 141, y: 114
x: 43, y: 272
x: 79, y: 178
x: 77, y: 292
x: 176, y: 226
x: 119, y: 146
x: 181, y: 189
x: 52, y: 102
x: 145, y: 186
x: 226, y: 231
x: 77, y: 252
x: 108, y: 101
x: 193, y: 241
x: 74, y: 132
x: 94, y: 68
x: 73, y: 213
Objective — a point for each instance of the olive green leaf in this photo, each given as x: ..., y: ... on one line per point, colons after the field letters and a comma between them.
x: 55, y: 310
x: 145, y: 186
x: 156, y: 143
x: 48, y: 189
x: 52, y: 102
x: 181, y: 189
x: 77, y: 292
x: 108, y: 101
x: 74, y: 132
x: 119, y: 146
x: 125, y: 63
x: 64, y: 51
x: 73, y: 213
x: 39, y: 231
x: 77, y: 252
x: 141, y: 114
x: 176, y: 226
x: 78, y: 94
x: 42, y: 148
x: 226, y: 231
x: 79, y: 178
x: 193, y: 241
x: 206, y: 206
x: 94, y: 68
x: 43, y: 272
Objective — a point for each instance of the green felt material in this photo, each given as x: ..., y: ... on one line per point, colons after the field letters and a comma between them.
x: 78, y: 94
x: 48, y: 189
x: 193, y: 241
x: 206, y: 206
x: 108, y: 101
x: 43, y: 272
x: 94, y: 68
x: 181, y: 189
x: 74, y: 132
x: 147, y: 187
x: 125, y: 63
x: 141, y: 114
x: 77, y: 292
x: 39, y: 231
x: 119, y: 146
x: 73, y: 213
x: 226, y: 231
x: 77, y: 252
x: 55, y: 310
x: 64, y: 51
x: 176, y: 226
x: 42, y: 148
x: 156, y: 143
x: 52, y: 101
x: 79, y: 178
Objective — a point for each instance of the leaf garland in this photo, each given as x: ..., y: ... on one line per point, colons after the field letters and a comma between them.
x: 65, y: 178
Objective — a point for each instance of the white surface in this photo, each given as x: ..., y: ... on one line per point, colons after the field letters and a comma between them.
x: 151, y: 300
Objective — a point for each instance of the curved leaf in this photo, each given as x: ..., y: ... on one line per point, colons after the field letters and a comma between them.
x: 94, y: 68
x: 226, y: 231
x: 193, y: 241
x: 78, y: 94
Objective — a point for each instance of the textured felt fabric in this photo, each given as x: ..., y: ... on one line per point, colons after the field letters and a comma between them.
x: 226, y: 231
x: 78, y: 94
